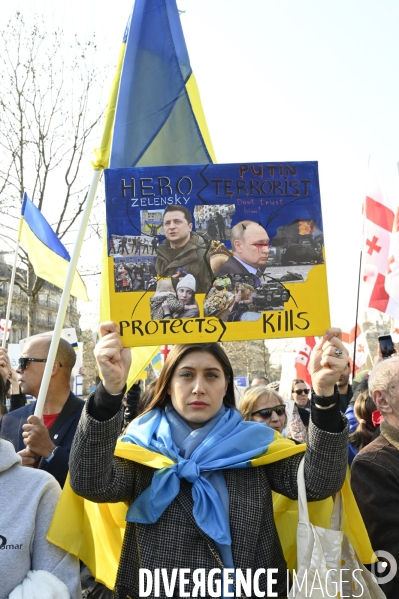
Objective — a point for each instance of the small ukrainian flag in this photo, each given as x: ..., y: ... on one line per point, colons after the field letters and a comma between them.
x: 48, y: 256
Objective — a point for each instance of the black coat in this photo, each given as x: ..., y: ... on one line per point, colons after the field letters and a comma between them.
x: 375, y: 485
x: 232, y: 267
x: 175, y: 540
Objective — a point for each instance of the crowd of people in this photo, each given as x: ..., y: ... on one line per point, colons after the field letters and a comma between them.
x: 135, y: 276
x: 129, y: 245
x: 209, y: 508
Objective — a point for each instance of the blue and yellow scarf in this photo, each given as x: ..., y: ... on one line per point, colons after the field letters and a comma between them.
x: 94, y: 532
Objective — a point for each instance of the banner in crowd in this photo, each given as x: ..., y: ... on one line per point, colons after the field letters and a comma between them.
x: 2, y: 328
x: 362, y: 348
x: 216, y: 252
x: 302, y: 359
x: 380, y: 245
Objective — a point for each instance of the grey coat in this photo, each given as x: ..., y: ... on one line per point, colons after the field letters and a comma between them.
x: 176, y: 540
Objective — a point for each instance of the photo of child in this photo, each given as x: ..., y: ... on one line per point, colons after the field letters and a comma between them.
x: 186, y: 294
x: 164, y: 303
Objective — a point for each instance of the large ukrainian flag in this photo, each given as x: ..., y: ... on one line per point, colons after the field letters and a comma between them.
x: 95, y: 531
x: 154, y: 115
x: 48, y: 256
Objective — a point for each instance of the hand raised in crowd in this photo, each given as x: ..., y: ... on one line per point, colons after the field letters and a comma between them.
x: 112, y: 358
x: 328, y: 360
x: 5, y: 365
x: 37, y: 438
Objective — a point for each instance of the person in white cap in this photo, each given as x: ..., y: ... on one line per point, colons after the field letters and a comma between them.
x: 186, y: 294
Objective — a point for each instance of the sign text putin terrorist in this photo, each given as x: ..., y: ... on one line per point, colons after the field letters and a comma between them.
x: 271, y: 180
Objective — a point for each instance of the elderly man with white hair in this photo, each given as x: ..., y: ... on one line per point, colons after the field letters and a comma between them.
x: 375, y: 473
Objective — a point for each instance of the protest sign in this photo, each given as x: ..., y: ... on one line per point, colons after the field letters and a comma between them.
x: 215, y: 252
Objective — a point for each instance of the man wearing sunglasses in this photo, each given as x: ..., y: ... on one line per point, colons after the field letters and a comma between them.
x: 45, y: 443
x: 250, y: 247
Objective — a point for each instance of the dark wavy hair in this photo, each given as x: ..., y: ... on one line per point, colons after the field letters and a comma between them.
x: 177, y: 353
x: 364, y: 408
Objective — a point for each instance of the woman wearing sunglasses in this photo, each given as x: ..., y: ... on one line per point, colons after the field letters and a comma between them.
x: 209, y: 506
x: 261, y: 404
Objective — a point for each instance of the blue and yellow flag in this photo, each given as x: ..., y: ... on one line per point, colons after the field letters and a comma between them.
x: 95, y: 531
x: 154, y: 114
x: 48, y: 256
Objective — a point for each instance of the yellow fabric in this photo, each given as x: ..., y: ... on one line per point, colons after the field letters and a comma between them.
x: 196, y: 105
x: 94, y: 532
x: 103, y: 152
x: 141, y: 356
x: 129, y: 451
x: 105, y: 308
x: 47, y: 264
x: 280, y: 449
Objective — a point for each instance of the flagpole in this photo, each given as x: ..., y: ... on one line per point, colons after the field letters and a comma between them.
x: 359, y: 279
x: 59, y: 323
x: 11, y: 290
x: 357, y: 313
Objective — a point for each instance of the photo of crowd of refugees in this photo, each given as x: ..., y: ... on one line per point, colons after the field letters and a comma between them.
x: 175, y: 298
x: 130, y: 245
x: 134, y: 274
x: 241, y: 297
x: 214, y: 221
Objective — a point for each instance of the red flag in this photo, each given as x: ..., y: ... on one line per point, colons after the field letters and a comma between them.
x: 378, y: 223
x: 392, y: 280
x: 302, y: 359
x: 362, y: 349
x: 164, y: 352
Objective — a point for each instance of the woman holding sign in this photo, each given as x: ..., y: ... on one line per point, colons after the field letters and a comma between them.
x: 209, y: 512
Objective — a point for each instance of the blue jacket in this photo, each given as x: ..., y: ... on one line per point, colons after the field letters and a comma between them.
x: 11, y: 427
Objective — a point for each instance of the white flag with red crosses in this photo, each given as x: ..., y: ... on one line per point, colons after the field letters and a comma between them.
x: 379, y: 220
x: 302, y: 359
x: 165, y: 352
x: 3, y: 326
x: 362, y: 348
x: 392, y: 280
x: 395, y: 330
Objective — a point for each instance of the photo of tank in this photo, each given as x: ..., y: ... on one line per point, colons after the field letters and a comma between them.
x: 300, y: 242
x: 235, y: 297
x: 271, y: 296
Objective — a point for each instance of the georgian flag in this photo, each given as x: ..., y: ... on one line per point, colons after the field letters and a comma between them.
x: 164, y: 352
x: 302, y: 359
x: 392, y: 279
x: 378, y: 224
x: 3, y: 326
x: 362, y: 348
x: 395, y: 330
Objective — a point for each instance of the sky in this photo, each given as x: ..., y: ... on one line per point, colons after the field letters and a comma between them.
x: 284, y: 81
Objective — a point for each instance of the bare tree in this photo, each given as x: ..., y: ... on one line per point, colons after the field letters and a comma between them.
x: 50, y: 118
x: 248, y: 358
